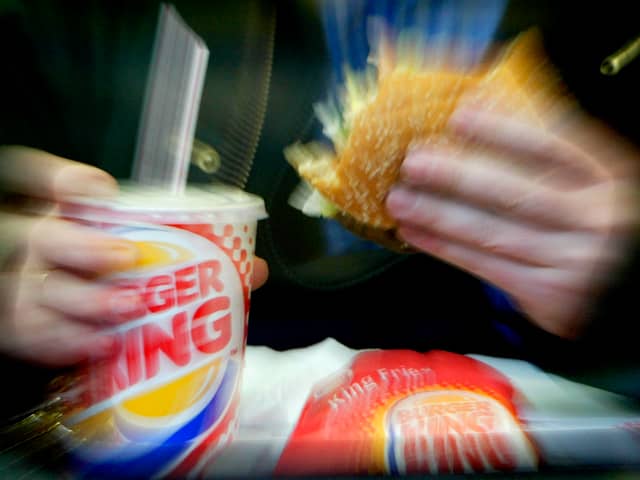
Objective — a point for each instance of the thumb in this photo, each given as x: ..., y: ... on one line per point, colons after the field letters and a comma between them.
x: 34, y: 173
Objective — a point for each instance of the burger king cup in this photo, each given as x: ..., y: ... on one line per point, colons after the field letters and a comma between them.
x: 166, y: 402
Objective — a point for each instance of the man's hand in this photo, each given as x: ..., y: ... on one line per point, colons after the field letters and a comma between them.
x: 544, y: 214
x: 51, y: 309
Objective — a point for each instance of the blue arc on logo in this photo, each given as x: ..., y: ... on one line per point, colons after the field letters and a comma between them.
x: 152, y: 462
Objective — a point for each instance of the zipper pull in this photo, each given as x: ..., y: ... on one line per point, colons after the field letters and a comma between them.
x: 615, y: 62
x: 205, y: 157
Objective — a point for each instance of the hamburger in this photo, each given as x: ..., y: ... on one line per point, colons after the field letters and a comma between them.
x: 402, y: 101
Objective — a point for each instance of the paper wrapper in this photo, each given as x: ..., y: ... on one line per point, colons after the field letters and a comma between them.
x: 328, y: 409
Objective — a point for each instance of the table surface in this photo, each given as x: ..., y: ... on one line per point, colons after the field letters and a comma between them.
x: 275, y: 386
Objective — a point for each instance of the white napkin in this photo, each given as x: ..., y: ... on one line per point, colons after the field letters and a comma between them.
x: 574, y: 424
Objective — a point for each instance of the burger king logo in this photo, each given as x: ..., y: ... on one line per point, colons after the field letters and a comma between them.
x: 454, y: 431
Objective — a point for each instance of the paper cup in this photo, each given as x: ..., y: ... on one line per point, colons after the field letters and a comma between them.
x: 167, y: 401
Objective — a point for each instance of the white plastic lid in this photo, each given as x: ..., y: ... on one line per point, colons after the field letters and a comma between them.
x: 198, y: 204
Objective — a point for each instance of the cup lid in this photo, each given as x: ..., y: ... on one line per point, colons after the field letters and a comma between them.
x: 199, y: 203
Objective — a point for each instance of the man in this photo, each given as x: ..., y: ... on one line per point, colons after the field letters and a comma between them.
x: 562, y: 311
x: 75, y: 89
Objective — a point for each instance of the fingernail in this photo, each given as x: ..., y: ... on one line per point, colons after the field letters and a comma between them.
x: 104, y: 187
x: 120, y: 254
x: 415, y: 159
x: 86, y: 181
x: 124, y: 304
x: 401, y: 233
x: 463, y: 116
x: 412, y: 171
x: 400, y: 201
x: 105, y: 346
x: 419, y: 238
